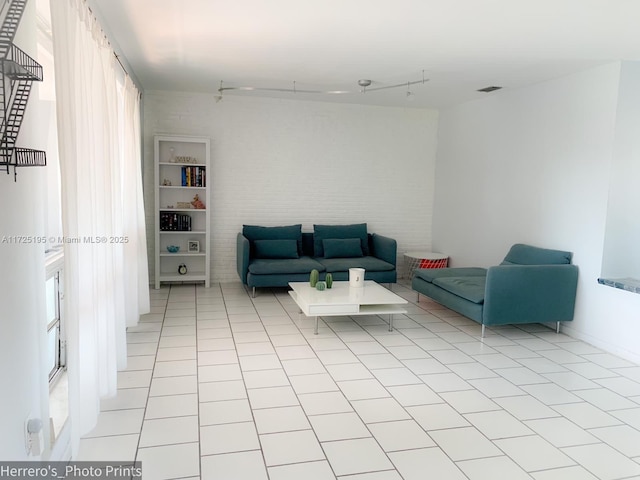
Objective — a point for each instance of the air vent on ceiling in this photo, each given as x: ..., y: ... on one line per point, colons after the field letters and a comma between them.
x: 492, y: 88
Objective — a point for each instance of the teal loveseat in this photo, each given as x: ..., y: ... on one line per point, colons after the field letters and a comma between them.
x: 275, y: 256
x: 531, y: 285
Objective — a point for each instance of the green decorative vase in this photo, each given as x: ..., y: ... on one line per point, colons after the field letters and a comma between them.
x: 321, y: 286
x: 328, y: 279
x: 314, y: 277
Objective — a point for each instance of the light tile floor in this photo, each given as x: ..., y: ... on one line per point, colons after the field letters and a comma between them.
x: 220, y: 385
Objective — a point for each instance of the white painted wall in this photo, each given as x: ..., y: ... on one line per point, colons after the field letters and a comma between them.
x: 22, y: 283
x: 621, y: 252
x: 278, y: 162
x: 533, y: 165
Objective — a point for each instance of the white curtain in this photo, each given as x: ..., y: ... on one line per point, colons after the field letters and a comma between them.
x: 137, y: 272
x: 106, y: 279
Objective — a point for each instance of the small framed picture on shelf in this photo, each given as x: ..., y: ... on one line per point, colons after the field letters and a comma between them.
x: 194, y: 246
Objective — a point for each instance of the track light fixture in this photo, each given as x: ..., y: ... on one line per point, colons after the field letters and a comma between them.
x: 364, y: 84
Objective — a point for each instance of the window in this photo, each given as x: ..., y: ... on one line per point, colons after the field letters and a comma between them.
x: 55, y: 333
x: 54, y: 256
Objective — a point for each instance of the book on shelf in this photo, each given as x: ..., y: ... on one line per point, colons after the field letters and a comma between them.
x: 194, y: 177
x: 175, y: 222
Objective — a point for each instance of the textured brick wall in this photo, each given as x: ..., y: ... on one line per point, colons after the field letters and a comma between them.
x: 277, y: 162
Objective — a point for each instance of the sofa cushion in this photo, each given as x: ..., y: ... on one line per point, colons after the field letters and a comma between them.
x: 284, y: 266
x: 283, y: 248
x: 429, y: 274
x: 469, y: 288
x: 369, y: 263
x: 342, y: 247
x: 321, y: 232
x: 521, y: 254
x: 288, y: 232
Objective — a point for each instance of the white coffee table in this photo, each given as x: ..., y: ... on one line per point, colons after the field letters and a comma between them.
x: 372, y: 299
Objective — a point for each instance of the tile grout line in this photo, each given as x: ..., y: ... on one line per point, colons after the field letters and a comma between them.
x: 370, y: 371
x: 436, y: 445
x: 198, y: 384
x: 286, y: 312
x: 445, y: 365
x: 404, y: 408
x: 354, y: 410
x: 244, y: 384
x: 155, y: 360
x: 549, y: 382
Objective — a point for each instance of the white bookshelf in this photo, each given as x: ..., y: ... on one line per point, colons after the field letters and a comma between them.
x: 182, y: 171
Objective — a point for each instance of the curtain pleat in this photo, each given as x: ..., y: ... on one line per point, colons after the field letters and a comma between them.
x: 106, y: 279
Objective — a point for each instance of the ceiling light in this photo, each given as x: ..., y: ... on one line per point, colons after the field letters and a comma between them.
x: 363, y: 83
x: 410, y: 95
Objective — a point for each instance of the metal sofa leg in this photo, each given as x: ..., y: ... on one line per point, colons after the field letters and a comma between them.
x: 253, y: 292
x: 557, y: 327
x: 482, y: 334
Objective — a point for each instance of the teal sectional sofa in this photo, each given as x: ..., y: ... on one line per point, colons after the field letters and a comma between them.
x: 531, y: 285
x: 275, y: 256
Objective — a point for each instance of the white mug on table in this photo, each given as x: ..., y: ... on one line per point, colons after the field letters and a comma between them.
x: 356, y: 277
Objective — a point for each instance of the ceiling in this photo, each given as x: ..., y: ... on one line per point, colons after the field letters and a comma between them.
x: 459, y: 46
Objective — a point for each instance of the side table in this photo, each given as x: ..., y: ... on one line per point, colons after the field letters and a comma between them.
x: 413, y: 260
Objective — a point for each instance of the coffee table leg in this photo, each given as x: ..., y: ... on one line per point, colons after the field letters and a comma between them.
x: 316, y: 330
x: 391, y: 322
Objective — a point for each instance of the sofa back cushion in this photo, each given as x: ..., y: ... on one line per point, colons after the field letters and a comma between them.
x: 342, y: 247
x: 282, y: 248
x: 370, y: 263
x: 322, y: 232
x: 521, y: 254
x: 288, y: 232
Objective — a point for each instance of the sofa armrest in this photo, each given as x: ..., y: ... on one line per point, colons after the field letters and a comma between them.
x: 243, y: 254
x: 384, y: 248
x: 530, y: 294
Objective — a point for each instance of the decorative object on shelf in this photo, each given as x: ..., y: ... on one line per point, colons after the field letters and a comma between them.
x: 18, y: 71
x: 173, y: 248
x: 328, y: 279
x: 166, y: 183
x: 194, y: 246
x: 182, y: 269
x: 313, y: 277
x: 183, y: 205
x: 321, y: 286
x: 185, y: 159
x: 172, y: 155
x: 197, y: 203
